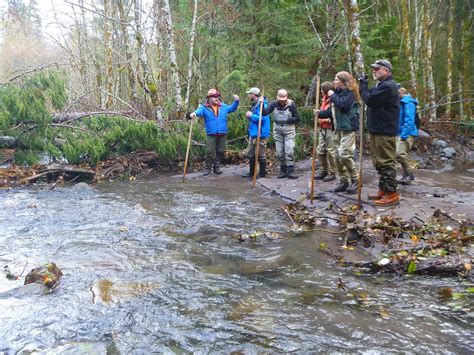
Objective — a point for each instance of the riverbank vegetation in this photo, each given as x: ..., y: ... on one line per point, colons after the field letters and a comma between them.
x: 131, y: 69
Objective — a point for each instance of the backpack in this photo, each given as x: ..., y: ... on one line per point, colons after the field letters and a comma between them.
x: 417, y: 120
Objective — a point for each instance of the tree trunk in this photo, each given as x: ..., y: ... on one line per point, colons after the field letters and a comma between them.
x: 128, y: 53
x: 108, y: 55
x: 449, y: 80
x: 191, y: 55
x: 407, y: 43
x: 428, y: 65
x: 467, y: 40
x: 353, y: 19
x: 172, y: 55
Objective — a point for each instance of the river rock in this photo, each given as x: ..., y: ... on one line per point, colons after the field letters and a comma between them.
x: 7, y: 142
x: 82, y: 186
x: 448, y: 152
x: 47, y: 274
x: 440, y: 143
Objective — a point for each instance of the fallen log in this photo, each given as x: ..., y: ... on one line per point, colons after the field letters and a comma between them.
x: 67, y: 172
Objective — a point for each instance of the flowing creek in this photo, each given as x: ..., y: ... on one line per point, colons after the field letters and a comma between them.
x: 155, y: 265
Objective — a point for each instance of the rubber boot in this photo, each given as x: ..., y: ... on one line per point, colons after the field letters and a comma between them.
x: 376, y: 196
x: 217, y: 168
x: 207, y: 171
x: 321, y: 175
x: 352, y: 189
x: 407, y: 178
x: 291, y: 173
x: 251, y: 169
x: 390, y: 198
x: 343, y: 185
x: 283, y: 172
x: 263, y: 169
x: 330, y: 177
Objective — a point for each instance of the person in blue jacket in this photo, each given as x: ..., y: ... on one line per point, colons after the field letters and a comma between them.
x: 407, y: 132
x: 253, y: 116
x: 215, y: 121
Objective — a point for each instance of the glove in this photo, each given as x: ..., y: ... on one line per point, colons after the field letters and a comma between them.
x: 363, y: 78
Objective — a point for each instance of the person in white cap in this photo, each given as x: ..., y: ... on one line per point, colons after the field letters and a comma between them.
x: 253, y: 116
x: 285, y: 117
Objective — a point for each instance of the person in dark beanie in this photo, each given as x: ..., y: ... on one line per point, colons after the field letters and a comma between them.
x: 382, y: 122
x: 215, y: 120
x: 253, y: 115
x: 285, y: 116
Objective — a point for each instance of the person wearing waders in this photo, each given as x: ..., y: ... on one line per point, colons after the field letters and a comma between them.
x: 285, y: 116
x: 407, y: 131
x: 215, y: 114
x: 253, y: 116
x: 326, y: 148
x: 345, y: 113
x: 383, y: 114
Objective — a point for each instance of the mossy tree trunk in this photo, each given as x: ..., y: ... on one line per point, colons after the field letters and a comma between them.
x: 428, y: 60
x: 191, y: 55
x: 450, y: 54
x: 172, y: 55
x: 407, y: 44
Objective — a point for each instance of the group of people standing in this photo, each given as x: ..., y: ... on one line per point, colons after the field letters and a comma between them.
x: 390, y: 122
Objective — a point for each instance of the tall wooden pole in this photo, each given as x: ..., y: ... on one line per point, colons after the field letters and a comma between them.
x: 315, y: 139
x: 361, y: 149
x: 257, y: 148
x: 187, y: 149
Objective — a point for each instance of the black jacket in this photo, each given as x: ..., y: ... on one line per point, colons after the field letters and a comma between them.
x: 383, y: 107
x: 290, y: 105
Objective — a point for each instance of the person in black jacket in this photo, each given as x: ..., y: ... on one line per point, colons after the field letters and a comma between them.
x: 382, y: 122
x: 285, y: 117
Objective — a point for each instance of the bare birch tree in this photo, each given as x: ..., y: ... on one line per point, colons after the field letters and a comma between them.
x: 407, y: 44
x: 191, y: 55
x: 449, y: 80
x: 108, y: 55
x: 172, y: 54
x: 356, y: 43
x: 428, y: 60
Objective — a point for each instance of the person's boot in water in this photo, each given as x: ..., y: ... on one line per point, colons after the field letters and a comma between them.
x: 251, y: 169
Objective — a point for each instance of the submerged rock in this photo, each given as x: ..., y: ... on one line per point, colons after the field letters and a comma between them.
x: 47, y: 274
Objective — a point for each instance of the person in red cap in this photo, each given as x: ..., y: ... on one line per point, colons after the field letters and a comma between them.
x: 215, y: 114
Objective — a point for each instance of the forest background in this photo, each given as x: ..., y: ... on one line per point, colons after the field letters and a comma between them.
x: 116, y: 76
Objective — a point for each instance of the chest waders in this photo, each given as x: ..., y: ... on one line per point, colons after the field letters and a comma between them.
x: 285, y: 134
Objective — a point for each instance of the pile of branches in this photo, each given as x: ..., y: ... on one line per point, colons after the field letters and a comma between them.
x: 438, y: 246
x: 133, y: 165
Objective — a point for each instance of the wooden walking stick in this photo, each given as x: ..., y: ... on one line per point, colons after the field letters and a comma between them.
x: 315, y: 138
x: 361, y: 143
x: 187, y: 149
x: 257, y: 148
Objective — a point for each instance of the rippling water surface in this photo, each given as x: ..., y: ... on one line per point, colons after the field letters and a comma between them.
x: 155, y: 266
